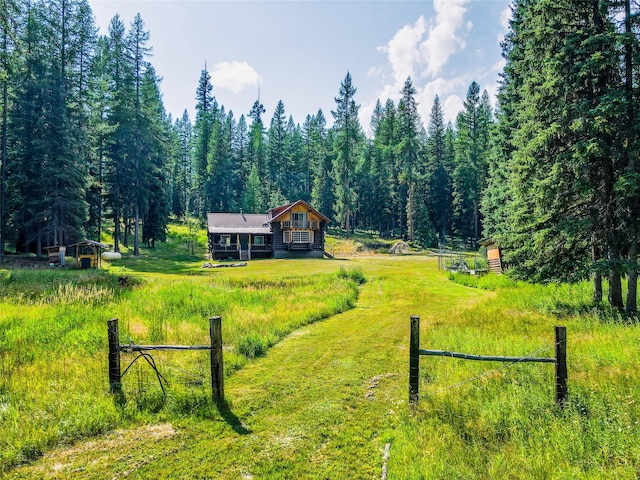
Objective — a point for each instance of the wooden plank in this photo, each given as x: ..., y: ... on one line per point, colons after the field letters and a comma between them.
x: 141, y: 348
x: 493, y: 254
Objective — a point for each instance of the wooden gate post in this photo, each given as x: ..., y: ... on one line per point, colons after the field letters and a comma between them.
x: 217, y: 374
x: 114, y: 356
x: 562, y: 391
x: 414, y: 360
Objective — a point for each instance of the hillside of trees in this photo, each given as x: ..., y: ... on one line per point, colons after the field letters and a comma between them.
x: 550, y: 173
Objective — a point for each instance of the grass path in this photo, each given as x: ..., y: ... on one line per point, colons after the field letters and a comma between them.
x: 321, y: 404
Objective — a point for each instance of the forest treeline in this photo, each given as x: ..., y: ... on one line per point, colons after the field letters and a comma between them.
x: 551, y: 173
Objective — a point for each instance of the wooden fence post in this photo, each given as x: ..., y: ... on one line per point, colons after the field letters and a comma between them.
x: 217, y: 374
x: 562, y: 391
x: 114, y: 356
x: 414, y: 359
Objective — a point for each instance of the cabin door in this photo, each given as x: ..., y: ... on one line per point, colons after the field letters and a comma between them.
x: 244, y: 242
x: 245, y: 254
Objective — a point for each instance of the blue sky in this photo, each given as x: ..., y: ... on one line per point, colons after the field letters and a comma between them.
x: 300, y: 51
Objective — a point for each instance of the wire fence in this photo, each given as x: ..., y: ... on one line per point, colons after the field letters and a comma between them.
x: 498, y: 370
x: 155, y: 357
x: 559, y: 360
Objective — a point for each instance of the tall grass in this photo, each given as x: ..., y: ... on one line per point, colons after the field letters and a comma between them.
x: 483, y: 420
x: 53, y: 378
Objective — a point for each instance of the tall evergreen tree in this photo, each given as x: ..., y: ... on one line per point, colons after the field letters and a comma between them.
x: 409, y: 153
x: 322, y: 189
x: 202, y: 131
x: 470, y: 170
x: 440, y: 181
x: 257, y: 153
x: 347, y: 143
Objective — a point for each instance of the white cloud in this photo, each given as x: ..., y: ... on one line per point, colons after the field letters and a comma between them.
x: 505, y: 16
x: 422, y: 50
x: 451, y: 107
x: 402, y: 50
x: 444, y: 89
x: 442, y: 41
x: 234, y: 76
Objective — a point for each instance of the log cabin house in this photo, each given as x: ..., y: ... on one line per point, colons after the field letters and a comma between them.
x: 290, y: 231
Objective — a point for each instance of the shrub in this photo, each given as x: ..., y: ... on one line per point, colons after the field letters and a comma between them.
x: 354, y: 274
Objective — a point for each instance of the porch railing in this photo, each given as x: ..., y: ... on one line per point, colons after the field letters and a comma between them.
x: 223, y: 247
x: 260, y: 248
x: 313, y: 225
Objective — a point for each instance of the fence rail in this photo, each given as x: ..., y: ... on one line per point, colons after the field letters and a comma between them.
x: 560, y: 361
x: 215, y: 333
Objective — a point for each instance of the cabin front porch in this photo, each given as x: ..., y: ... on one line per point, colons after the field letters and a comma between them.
x: 240, y: 246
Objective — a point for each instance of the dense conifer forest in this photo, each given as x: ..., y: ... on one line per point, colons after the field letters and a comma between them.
x: 550, y: 172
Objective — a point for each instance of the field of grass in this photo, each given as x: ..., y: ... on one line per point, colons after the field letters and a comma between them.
x: 307, y: 398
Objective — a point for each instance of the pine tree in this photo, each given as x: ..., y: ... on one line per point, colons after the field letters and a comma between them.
x: 560, y: 146
x: 347, y: 142
x: 155, y: 130
x: 256, y: 151
x: 470, y: 163
x: 322, y: 190
x: 276, y: 152
x: 202, y: 131
x: 440, y: 185
x: 9, y: 37
x: 409, y: 153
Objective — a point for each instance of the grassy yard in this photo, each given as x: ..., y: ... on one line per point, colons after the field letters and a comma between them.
x: 311, y: 399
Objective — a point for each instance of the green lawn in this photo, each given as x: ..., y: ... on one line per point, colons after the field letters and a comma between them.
x: 324, y: 402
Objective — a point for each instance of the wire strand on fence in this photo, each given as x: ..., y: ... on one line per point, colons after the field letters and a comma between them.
x: 504, y: 366
x: 153, y: 365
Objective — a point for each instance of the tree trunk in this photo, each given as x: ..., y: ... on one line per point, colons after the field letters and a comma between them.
x: 116, y: 231
x: 347, y: 214
x: 597, y: 276
x: 136, y: 226
x: 476, y: 221
x: 632, y: 290
x: 410, y: 218
x: 615, y: 283
x: 3, y: 160
x: 631, y: 307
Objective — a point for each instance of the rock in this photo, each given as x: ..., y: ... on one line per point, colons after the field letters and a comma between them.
x: 399, y: 248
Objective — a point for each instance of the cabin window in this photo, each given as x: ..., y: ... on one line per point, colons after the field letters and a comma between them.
x: 258, y: 240
x: 225, y: 240
x: 299, y: 220
x: 286, y: 237
x: 301, y: 237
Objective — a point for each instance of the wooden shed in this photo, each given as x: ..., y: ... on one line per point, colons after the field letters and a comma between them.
x: 88, y: 253
x: 494, y: 256
x: 56, y: 254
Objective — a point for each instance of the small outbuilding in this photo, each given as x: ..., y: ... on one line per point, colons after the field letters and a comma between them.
x: 88, y: 253
x: 56, y: 254
x: 494, y: 256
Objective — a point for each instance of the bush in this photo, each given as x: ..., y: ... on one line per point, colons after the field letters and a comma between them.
x: 354, y: 274
x: 252, y: 346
